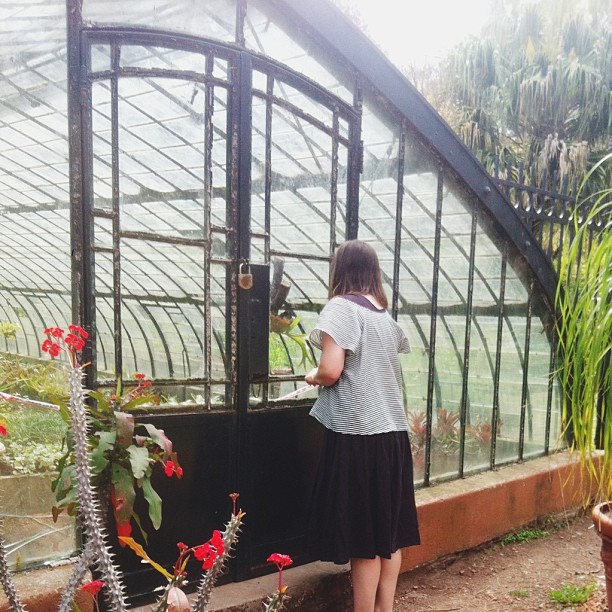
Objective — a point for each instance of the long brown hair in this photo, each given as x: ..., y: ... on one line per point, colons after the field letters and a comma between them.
x: 355, y: 269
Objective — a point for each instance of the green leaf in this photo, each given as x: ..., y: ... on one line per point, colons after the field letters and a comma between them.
x: 159, y: 437
x: 125, y: 495
x: 154, y: 501
x: 125, y: 428
x: 102, y: 401
x: 139, y: 401
x: 98, y: 456
x: 143, y: 533
x: 65, y: 491
x: 139, y: 460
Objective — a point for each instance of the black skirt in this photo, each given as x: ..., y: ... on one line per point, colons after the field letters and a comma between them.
x: 363, y: 500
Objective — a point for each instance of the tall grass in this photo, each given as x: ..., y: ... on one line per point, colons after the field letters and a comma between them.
x: 584, y: 324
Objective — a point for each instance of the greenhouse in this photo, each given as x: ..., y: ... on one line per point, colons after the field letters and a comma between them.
x: 175, y: 177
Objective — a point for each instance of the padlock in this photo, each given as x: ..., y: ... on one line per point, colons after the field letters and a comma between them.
x: 245, y: 278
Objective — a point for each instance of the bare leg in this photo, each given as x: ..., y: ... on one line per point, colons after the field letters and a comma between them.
x: 389, y: 571
x: 365, y: 574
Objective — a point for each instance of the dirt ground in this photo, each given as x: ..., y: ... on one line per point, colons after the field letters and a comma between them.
x: 511, y: 577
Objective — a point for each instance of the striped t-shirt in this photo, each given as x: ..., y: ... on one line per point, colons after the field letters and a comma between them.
x: 367, y: 398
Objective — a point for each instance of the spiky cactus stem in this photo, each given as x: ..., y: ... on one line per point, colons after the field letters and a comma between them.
x: 276, y: 600
x: 76, y: 578
x: 230, y: 537
x: 88, y: 503
x: 7, y: 579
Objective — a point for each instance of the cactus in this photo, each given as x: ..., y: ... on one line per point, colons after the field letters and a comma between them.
x: 88, y: 503
x: 230, y: 537
x: 276, y: 600
x: 7, y: 579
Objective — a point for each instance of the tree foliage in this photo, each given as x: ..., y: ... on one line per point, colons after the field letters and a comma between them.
x: 535, y: 86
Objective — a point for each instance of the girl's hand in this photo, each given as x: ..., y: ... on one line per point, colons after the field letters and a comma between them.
x: 310, y: 378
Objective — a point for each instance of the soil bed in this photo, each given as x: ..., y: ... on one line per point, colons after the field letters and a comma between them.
x: 515, y: 576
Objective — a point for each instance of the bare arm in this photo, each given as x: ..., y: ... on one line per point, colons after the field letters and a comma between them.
x: 330, y: 366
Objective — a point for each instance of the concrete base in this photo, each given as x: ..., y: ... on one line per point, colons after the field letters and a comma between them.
x: 453, y: 516
x: 463, y: 514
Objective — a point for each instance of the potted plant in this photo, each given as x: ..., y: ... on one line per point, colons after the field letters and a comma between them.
x: 584, y: 325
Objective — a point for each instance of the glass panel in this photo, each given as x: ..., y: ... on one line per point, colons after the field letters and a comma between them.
x: 100, y: 58
x: 173, y: 320
x: 538, y: 377
x: 218, y: 167
x: 289, y: 354
x: 511, y: 379
x: 300, y: 216
x: 136, y: 56
x: 34, y: 271
x: 219, y: 322
x: 101, y: 146
x: 173, y: 335
x: 105, y: 338
x: 211, y: 19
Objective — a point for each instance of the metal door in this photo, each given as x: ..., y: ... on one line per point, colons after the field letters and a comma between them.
x: 187, y: 153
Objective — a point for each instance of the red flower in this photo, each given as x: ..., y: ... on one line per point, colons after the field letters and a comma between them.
x: 217, y: 542
x: 3, y: 431
x: 207, y: 554
x: 78, y: 330
x: 93, y: 587
x: 50, y: 347
x: 182, y: 547
x: 74, y: 342
x: 280, y: 560
x: 169, y: 468
x: 124, y: 530
x: 146, y: 383
x: 56, y: 332
x: 201, y: 552
x: 140, y: 376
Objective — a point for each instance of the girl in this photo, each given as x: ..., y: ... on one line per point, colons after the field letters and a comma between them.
x: 363, y: 507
